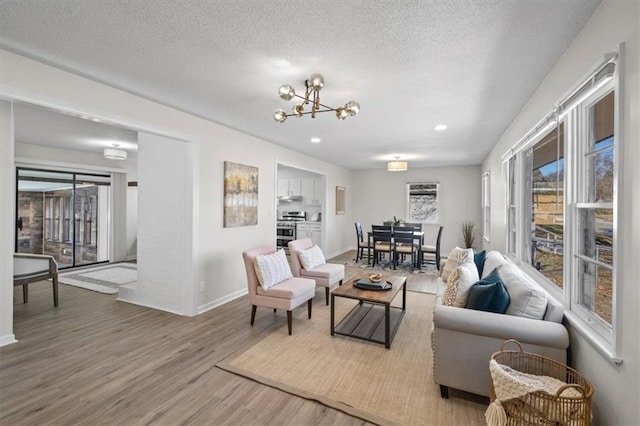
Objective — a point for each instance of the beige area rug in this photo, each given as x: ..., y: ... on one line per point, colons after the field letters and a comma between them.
x: 103, y: 279
x: 363, y: 379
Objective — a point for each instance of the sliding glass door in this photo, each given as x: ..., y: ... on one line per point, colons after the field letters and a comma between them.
x: 63, y: 214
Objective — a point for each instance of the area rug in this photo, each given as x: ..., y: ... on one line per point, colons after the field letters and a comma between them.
x: 362, y: 379
x: 403, y: 267
x: 104, y: 279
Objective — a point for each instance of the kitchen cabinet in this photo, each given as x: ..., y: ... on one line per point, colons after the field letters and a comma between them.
x: 289, y: 187
x: 311, y: 230
x: 310, y: 191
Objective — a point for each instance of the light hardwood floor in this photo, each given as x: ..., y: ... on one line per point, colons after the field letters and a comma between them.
x: 94, y: 360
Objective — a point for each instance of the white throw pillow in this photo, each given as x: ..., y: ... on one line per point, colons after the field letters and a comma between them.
x: 466, y: 275
x: 528, y: 299
x: 311, y: 258
x: 457, y: 257
x: 494, y: 259
x: 272, y: 269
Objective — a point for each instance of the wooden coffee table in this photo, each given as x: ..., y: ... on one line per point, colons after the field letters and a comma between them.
x: 373, y: 318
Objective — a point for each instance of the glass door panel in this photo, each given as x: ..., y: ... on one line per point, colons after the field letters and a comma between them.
x: 62, y: 214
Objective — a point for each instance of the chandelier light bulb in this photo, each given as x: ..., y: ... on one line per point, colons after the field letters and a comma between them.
x: 352, y: 108
x: 286, y: 92
x: 316, y: 81
x: 341, y: 113
x: 298, y: 110
x: 280, y: 115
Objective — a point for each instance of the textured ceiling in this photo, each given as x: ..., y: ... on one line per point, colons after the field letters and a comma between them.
x: 469, y: 64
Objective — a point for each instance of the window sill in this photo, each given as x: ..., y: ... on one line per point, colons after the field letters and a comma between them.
x: 592, y: 338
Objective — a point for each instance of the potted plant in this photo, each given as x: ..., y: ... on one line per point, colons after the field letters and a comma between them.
x: 469, y: 233
x: 393, y: 222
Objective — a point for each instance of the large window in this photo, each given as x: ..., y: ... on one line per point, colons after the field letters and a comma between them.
x: 561, y: 204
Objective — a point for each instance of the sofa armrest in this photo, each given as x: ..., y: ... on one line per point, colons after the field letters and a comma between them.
x: 501, y: 326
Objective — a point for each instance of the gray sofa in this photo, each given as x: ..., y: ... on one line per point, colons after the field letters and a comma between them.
x: 463, y: 341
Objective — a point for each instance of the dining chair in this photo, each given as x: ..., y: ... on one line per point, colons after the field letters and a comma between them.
x: 416, y: 226
x: 362, y: 245
x: 433, y: 250
x: 404, y: 244
x: 382, y: 242
x: 287, y: 295
x: 327, y: 275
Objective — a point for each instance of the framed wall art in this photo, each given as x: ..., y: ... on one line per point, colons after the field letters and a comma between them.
x: 240, y: 195
x: 340, y: 200
x: 422, y: 202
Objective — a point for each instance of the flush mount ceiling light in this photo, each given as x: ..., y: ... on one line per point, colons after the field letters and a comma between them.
x: 115, y: 153
x: 312, y: 96
x: 397, y: 166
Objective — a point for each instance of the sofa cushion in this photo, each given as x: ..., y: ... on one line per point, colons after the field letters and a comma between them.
x: 489, y: 294
x: 288, y: 289
x: 528, y: 299
x: 457, y: 257
x: 478, y: 259
x: 311, y: 257
x: 493, y: 259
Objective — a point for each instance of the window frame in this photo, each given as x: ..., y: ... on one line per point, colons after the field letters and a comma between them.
x: 573, y: 111
x: 486, y: 206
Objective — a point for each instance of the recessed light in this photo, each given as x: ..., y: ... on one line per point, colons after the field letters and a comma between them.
x: 440, y: 127
x: 315, y: 140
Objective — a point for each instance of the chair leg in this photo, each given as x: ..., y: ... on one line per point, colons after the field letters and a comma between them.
x: 289, y: 321
x: 438, y: 260
x: 253, y: 313
x: 309, y: 305
x: 340, y: 283
x: 444, y: 391
x: 55, y: 291
x: 326, y: 293
x: 25, y: 293
x: 274, y: 310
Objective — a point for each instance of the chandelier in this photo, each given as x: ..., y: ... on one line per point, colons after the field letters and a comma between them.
x: 313, y: 85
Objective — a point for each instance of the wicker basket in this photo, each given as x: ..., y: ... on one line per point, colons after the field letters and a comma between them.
x: 539, y: 407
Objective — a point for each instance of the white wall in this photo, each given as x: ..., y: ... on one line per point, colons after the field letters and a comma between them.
x: 132, y: 221
x: 217, y: 256
x: 7, y: 222
x: 615, y: 21
x: 378, y: 195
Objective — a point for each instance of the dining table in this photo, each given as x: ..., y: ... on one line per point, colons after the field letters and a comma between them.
x: 417, y: 235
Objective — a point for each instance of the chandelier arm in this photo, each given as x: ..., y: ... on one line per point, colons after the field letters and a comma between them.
x: 309, y: 112
x: 321, y: 104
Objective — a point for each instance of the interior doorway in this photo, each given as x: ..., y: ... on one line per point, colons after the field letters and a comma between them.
x: 64, y: 215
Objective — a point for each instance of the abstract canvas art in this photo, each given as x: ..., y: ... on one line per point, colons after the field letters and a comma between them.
x: 422, y: 202
x: 240, y: 195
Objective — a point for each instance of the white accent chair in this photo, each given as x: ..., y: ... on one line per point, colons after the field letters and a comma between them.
x: 31, y: 268
x: 329, y: 275
x: 287, y: 295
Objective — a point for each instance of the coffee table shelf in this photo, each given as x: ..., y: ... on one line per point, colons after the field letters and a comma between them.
x: 373, y: 318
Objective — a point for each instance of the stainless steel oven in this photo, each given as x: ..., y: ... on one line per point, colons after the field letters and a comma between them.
x: 286, y: 228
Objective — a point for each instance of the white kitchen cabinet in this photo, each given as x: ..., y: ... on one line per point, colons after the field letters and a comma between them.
x: 311, y: 230
x: 288, y: 187
x: 310, y: 191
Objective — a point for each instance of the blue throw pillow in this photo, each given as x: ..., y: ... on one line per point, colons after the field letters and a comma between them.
x: 478, y: 259
x: 489, y: 294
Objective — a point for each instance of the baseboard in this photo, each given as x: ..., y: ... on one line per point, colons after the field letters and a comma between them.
x: 339, y: 252
x: 215, y: 303
x: 7, y: 339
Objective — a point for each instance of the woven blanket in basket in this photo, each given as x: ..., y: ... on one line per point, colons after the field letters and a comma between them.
x: 510, y: 384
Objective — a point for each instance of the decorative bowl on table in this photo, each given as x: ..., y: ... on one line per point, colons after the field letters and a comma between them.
x: 375, y: 278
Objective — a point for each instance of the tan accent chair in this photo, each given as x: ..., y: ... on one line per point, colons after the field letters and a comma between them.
x: 329, y: 275
x: 287, y: 295
x: 31, y: 268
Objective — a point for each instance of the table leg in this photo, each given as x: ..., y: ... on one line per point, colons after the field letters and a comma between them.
x: 387, y: 325
x: 333, y: 311
x: 404, y: 297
